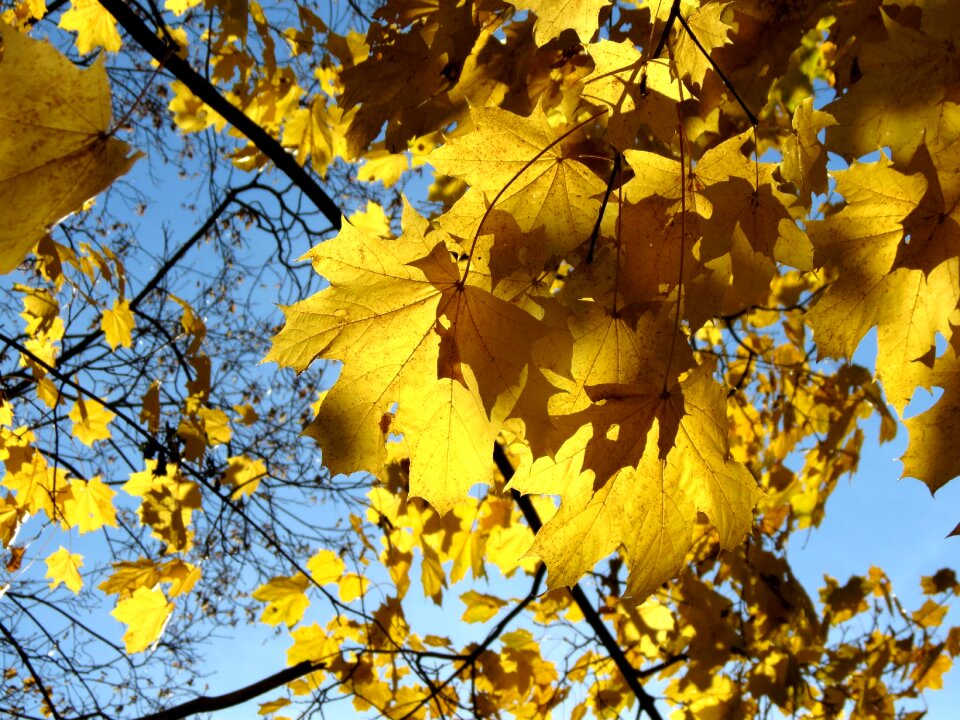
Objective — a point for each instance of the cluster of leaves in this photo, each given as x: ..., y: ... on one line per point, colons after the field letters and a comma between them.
x: 609, y: 315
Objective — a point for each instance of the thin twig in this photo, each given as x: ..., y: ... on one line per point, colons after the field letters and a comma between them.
x: 629, y: 673
x: 208, y: 93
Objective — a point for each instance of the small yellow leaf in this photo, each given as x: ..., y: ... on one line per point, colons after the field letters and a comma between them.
x: 384, y: 166
x: 216, y: 424
x: 373, y: 219
x: 117, y: 324
x: 150, y: 410
x: 312, y: 643
x: 94, y: 25
x: 480, y: 607
x: 272, y: 706
x: 179, y: 7
x: 10, y: 517
x: 353, y: 586
x: 64, y: 567
x: 190, y: 113
x: 90, y: 420
x: 244, y: 475
x: 41, y: 311
x: 929, y: 675
x: 145, y: 613
x: 285, y: 598
x: 930, y: 615
x: 89, y: 505
x: 325, y: 567
x: 248, y: 416
x: 192, y: 325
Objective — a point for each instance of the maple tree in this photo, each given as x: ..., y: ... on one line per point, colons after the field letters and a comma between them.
x: 608, y: 357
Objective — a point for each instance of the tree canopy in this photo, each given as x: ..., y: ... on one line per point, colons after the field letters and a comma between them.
x: 569, y: 297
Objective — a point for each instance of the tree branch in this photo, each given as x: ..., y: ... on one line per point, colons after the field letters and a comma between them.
x: 33, y: 673
x: 609, y: 642
x: 206, y: 91
x: 204, y: 704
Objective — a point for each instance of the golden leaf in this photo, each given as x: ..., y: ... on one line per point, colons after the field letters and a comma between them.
x: 480, y: 606
x: 117, y: 324
x: 55, y: 149
x: 64, y: 567
x: 549, y: 191
x: 244, y: 475
x: 94, y: 25
x: 285, y: 598
x: 352, y: 586
x: 325, y: 567
x: 89, y: 505
x: 145, y: 613
x: 555, y: 16
x: 90, y: 420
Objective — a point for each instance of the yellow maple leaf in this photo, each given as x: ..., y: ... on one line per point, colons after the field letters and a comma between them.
x: 453, y: 383
x: 128, y: 576
x: 804, y: 156
x: 619, y: 68
x: 150, y: 408
x: 862, y: 245
x: 207, y: 428
x: 89, y: 505
x: 312, y: 643
x: 64, y: 567
x: 90, y: 420
x: 707, y: 25
x: 932, y: 431
x: 11, y: 517
x: 244, y: 475
x: 555, y: 16
x: 352, y: 586
x: 480, y: 606
x: 373, y: 218
x: 190, y: 113
x: 384, y: 166
x: 929, y: 673
x: 325, y: 567
x: 272, y: 706
x: 55, y: 149
x: 145, y: 613
x: 546, y: 191
x: 94, y: 25
x: 41, y: 311
x: 168, y: 502
x: 37, y: 485
x: 285, y: 598
x: 117, y: 324
x: 651, y: 509
x: 868, y: 117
